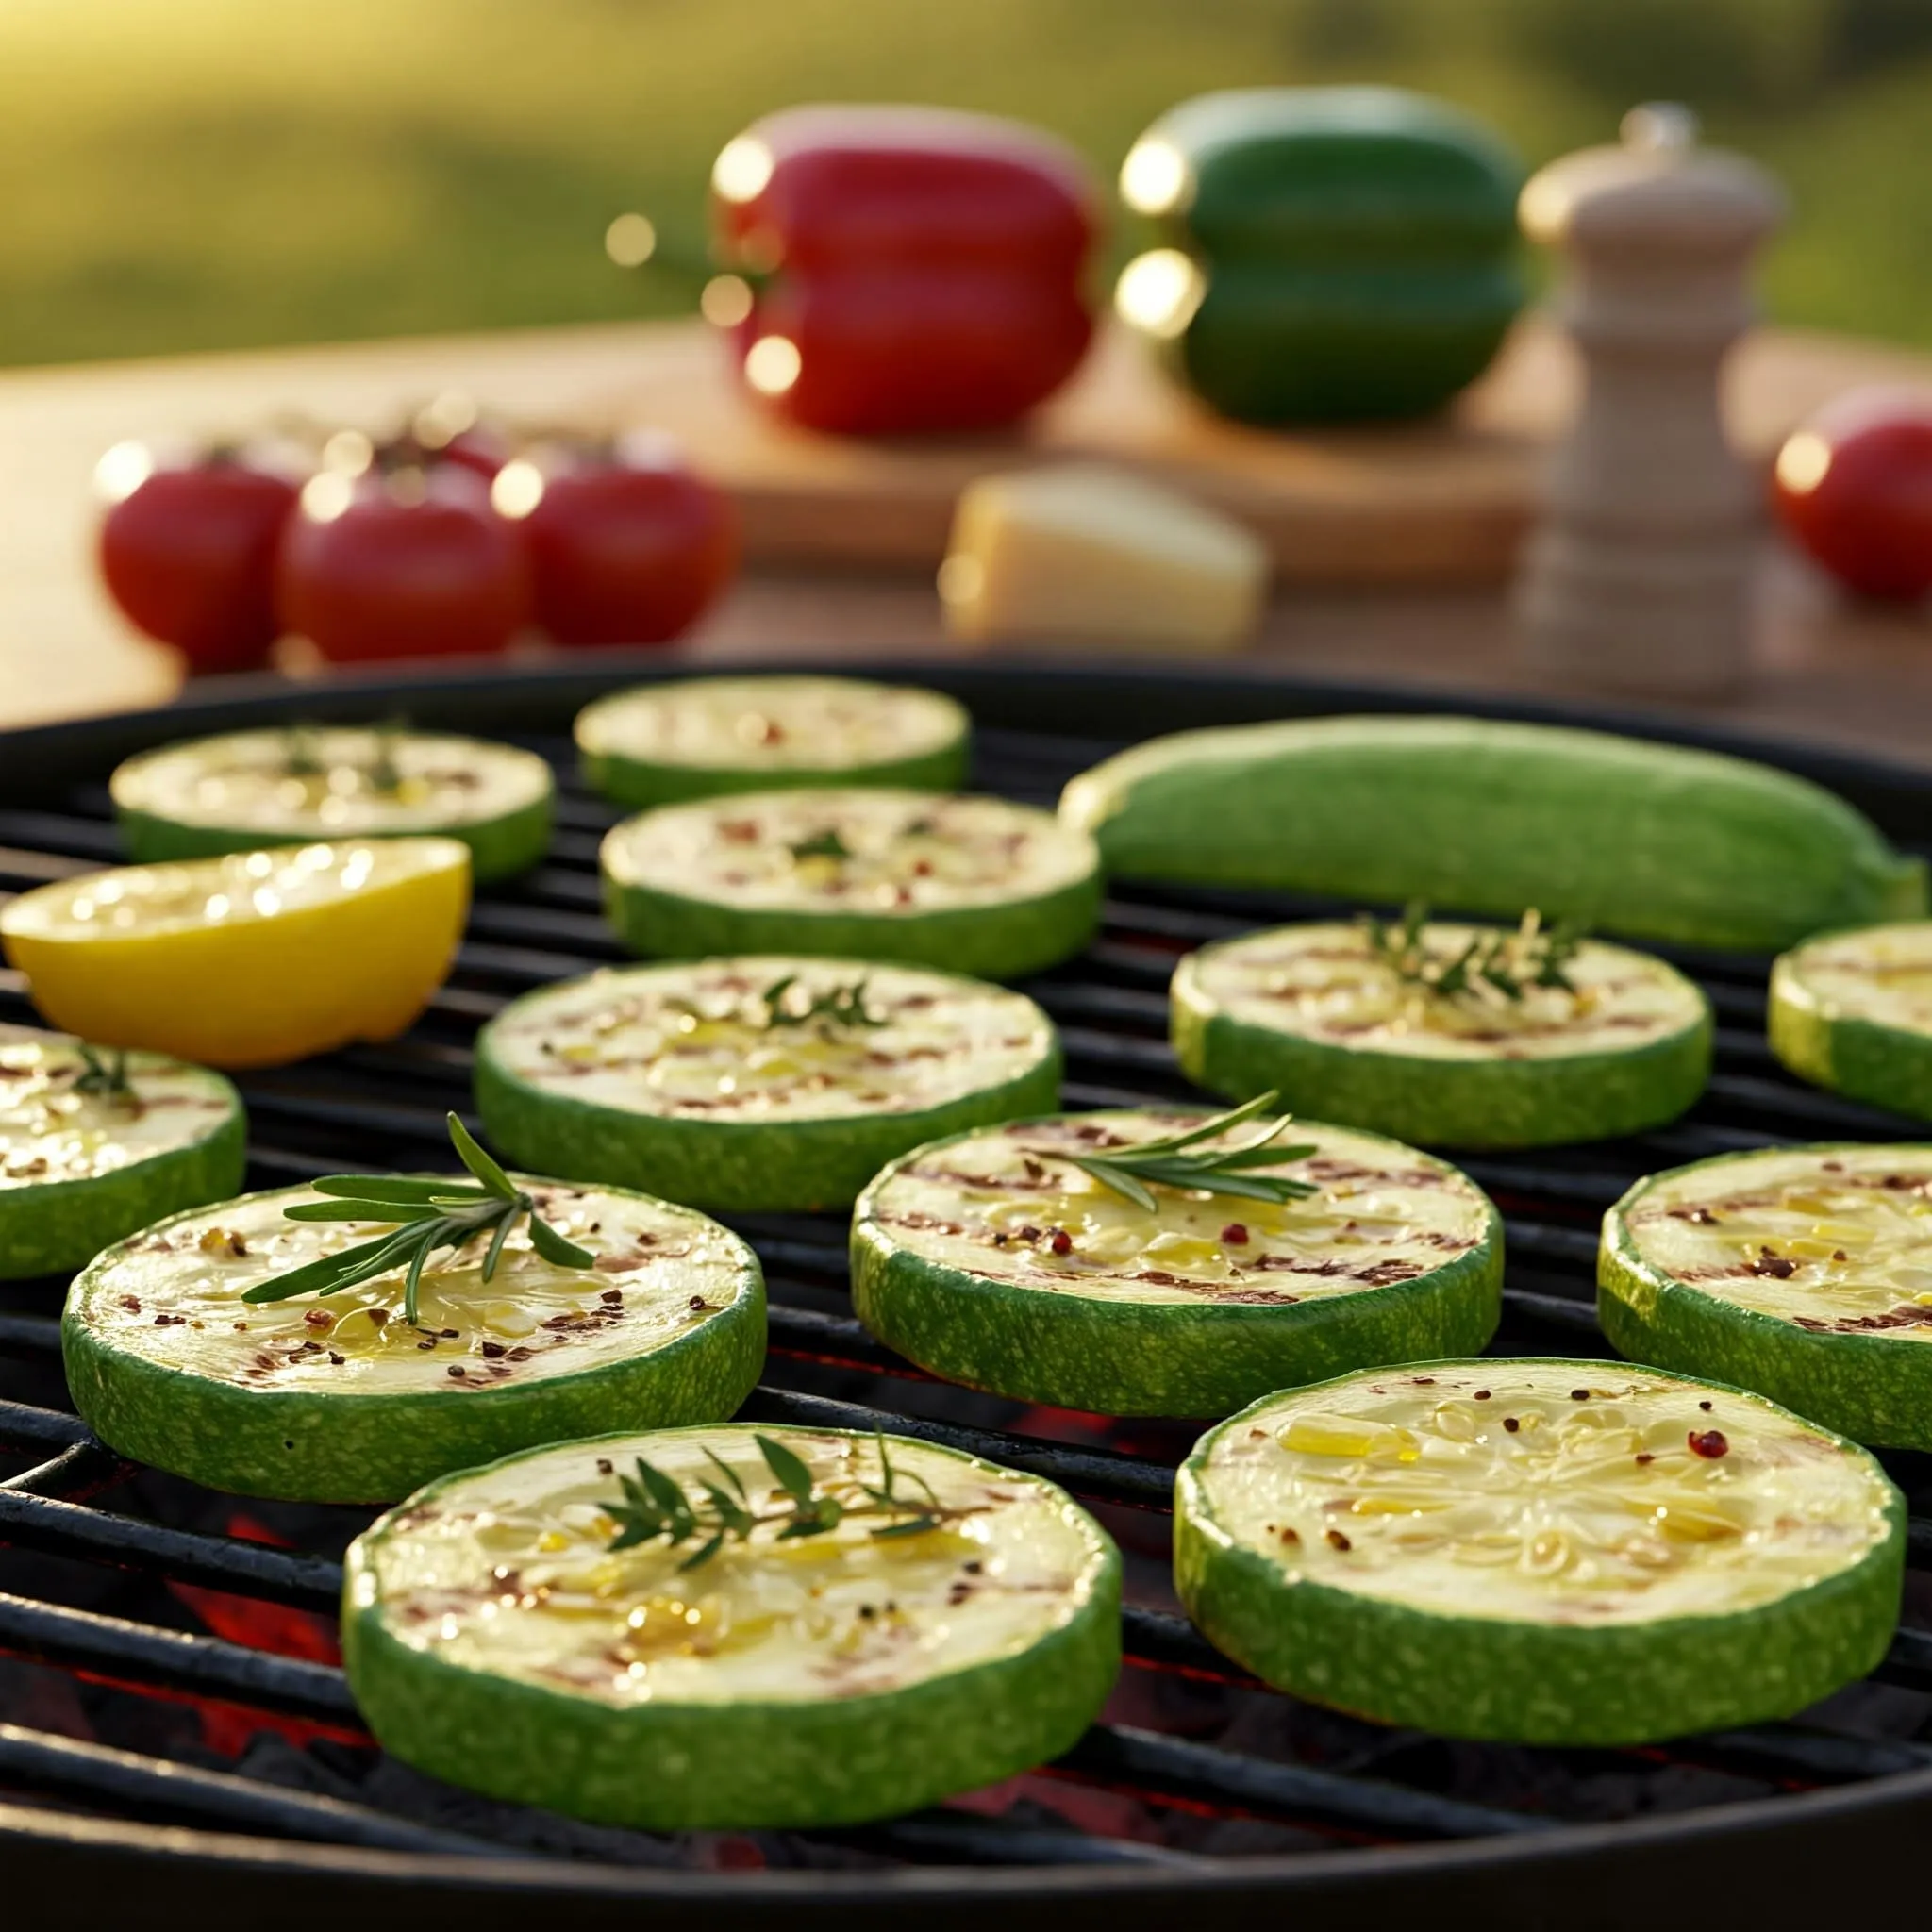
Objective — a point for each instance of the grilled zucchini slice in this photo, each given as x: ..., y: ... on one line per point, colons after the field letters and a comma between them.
x: 492, y: 1637
x: 1539, y: 1552
x: 337, y: 1399
x: 992, y: 1259
x: 973, y: 884
x: 678, y: 1079
x: 1803, y: 1272
x: 1318, y: 1014
x: 86, y: 1158
x: 1854, y: 1011
x: 695, y: 738
x: 244, y: 790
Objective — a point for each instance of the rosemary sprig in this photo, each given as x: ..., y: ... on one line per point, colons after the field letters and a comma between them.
x: 1494, y: 963
x: 102, y: 1076
x: 654, y: 1505
x: 382, y: 771
x: 302, y: 752
x: 426, y: 1215
x: 1169, y: 1163
x: 825, y: 844
x: 838, y: 1005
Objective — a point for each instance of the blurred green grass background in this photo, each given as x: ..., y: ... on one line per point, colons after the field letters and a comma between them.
x: 180, y: 175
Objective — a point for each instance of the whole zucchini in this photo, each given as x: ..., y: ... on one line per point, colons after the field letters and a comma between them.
x: 1654, y: 841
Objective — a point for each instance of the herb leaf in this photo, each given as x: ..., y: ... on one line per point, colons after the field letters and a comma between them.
x: 104, y: 1077
x: 825, y: 844
x: 653, y: 1504
x: 1134, y: 1172
x: 423, y: 1215
x: 838, y: 1005
x: 1496, y: 963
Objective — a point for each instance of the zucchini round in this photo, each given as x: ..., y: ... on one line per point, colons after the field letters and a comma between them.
x: 1539, y: 1552
x: 250, y: 789
x: 1317, y: 1013
x: 992, y: 1259
x: 1803, y: 1272
x: 492, y: 1637
x: 695, y: 738
x: 676, y: 1077
x: 974, y: 885
x: 85, y: 1159
x: 1653, y: 841
x: 338, y: 1400
x: 1854, y: 1011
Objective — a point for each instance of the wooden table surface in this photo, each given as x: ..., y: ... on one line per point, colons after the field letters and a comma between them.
x: 1857, y: 676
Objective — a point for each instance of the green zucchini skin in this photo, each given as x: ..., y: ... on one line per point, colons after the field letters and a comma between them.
x: 735, y: 1766
x: 642, y: 784
x: 730, y: 1166
x: 1442, y: 1102
x: 305, y: 1447
x: 1888, y: 1066
x: 1862, y: 1386
x: 500, y: 848
x: 1004, y: 941
x: 1651, y: 841
x: 60, y: 1225
x: 1484, y: 1677
x: 1133, y: 1358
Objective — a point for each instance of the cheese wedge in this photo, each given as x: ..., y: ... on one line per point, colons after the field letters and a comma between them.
x: 1088, y: 554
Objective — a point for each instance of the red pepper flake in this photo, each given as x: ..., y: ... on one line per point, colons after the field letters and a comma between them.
x: 1705, y: 1406
x: 1840, y: 1255
x: 922, y: 867
x: 1291, y: 1534
x: 1234, y: 1234
x: 741, y: 831
x: 1579, y: 1395
x: 320, y: 1318
x: 698, y: 1302
x: 1062, y: 1242
x: 1424, y: 1381
x: 1338, y: 1541
x: 605, y: 1467
x: 131, y: 1302
x: 612, y: 1297
x: 377, y: 1316
x: 494, y: 1351
x: 1644, y: 1455
x: 456, y: 1369
x: 1510, y: 1424
x: 335, y: 1359
x: 1482, y: 1394
x: 1710, y: 1444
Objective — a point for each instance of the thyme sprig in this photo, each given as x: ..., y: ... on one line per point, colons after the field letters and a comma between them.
x: 427, y: 1215
x: 838, y: 1005
x: 302, y: 755
x: 1499, y: 963
x: 654, y: 1505
x: 1181, y: 1162
x: 825, y: 844
x: 103, y: 1074
x: 302, y: 752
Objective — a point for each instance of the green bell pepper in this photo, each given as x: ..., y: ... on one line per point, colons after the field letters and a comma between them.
x: 1330, y: 254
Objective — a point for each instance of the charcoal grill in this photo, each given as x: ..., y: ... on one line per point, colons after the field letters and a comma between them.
x: 1202, y: 1794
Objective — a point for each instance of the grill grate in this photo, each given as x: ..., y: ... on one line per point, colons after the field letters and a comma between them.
x: 1195, y: 1754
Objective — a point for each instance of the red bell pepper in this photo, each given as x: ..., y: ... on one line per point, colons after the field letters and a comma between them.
x: 911, y: 270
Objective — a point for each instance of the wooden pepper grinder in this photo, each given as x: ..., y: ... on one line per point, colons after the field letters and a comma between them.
x: 1638, y: 577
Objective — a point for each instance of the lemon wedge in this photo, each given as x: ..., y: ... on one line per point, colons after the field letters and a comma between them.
x: 247, y: 960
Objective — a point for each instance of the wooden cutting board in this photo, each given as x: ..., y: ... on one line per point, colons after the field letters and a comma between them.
x: 1404, y: 509
x: 1443, y: 502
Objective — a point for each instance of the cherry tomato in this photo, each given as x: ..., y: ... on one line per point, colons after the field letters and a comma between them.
x: 188, y: 551
x: 626, y: 548
x: 1854, y: 488
x: 410, y: 565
